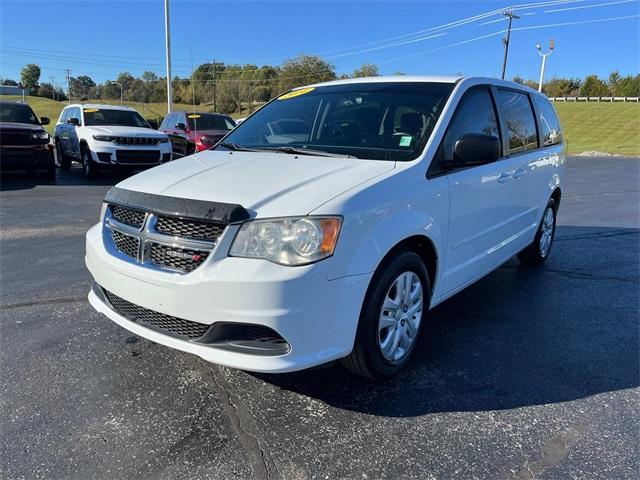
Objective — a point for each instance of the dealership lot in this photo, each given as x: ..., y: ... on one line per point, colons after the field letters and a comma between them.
x: 528, y: 373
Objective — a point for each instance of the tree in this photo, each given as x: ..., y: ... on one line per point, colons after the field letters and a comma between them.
x: 561, y: 87
x: 30, y: 76
x: 366, y: 70
x: 593, y: 87
x: 9, y: 82
x: 82, y: 87
x: 303, y: 70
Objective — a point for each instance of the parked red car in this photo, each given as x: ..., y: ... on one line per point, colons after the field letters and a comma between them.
x: 192, y: 132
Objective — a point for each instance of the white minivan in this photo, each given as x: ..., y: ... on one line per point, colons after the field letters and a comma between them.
x: 327, y: 224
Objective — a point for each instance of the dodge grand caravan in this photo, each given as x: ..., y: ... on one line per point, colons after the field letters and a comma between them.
x: 330, y: 222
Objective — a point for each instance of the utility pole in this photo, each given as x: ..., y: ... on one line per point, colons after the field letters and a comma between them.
x: 215, y: 109
x: 53, y: 89
x: 544, y: 61
x: 167, y: 34
x: 68, y: 72
x: 511, y: 15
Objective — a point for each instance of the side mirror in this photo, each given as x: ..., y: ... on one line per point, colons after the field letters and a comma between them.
x: 73, y: 121
x: 181, y: 126
x: 475, y: 149
x: 44, y: 121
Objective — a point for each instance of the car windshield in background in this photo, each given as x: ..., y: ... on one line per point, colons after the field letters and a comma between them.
x: 207, y: 121
x: 377, y: 121
x: 124, y: 118
x: 17, y: 113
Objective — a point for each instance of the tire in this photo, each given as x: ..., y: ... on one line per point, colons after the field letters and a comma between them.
x: 50, y: 173
x: 89, y: 167
x: 369, y: 357
x: 538, y: 252
x: 62, y: 161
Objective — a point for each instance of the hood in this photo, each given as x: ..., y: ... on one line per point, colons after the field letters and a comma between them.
x: 119, y: 131
x: 23, y: 127
x: 266, y: 184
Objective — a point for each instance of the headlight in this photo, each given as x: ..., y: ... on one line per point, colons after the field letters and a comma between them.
x: 103, y: 138
x: 163, y: 139
x: 287, y: 241
x: 40, y: 136
x: 208, y: 140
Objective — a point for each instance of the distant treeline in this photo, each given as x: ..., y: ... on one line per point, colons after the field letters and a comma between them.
x: 232, y: 88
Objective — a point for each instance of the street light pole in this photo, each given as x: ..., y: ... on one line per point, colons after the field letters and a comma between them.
x: 121, y: 90
x: 167, y: 34
x: 544, y: 61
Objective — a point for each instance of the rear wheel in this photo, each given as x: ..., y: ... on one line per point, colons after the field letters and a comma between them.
x: 89, y: 167
x: 392, y: 317
x: 538, y: 252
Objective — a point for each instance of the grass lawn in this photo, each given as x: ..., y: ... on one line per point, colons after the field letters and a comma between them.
x: 604, y: 127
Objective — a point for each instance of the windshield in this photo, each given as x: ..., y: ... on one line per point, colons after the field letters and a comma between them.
x: 124, y: 118
x: 378, y: 121
x: 18, y: 113
x: 208, y: 121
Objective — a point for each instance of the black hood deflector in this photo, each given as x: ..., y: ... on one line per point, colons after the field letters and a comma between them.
x: 179, y: 207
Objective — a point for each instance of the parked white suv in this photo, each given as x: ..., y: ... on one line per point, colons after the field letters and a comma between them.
x: 108, y: 137
x: 328, y: 224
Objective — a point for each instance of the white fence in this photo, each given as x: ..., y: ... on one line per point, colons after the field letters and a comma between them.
x: 596, y: 99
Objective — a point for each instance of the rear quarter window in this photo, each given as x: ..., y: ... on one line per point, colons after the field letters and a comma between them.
x: 548, y: 121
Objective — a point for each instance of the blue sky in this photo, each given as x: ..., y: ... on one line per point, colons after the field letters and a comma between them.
x: 103, y: 38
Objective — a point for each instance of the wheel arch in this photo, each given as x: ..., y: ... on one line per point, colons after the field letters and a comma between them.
x: 423, y: 246
x: 556, y: 195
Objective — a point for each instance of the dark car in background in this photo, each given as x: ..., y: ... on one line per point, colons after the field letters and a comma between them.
x: 24, y: 145
x: 192, y: 132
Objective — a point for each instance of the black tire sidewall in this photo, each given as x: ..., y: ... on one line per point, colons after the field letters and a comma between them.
x: 88, y: 165
x: 391, y: 268
x: 551, y: 205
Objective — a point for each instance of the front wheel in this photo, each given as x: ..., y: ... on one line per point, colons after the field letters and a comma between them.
x: 62, y: 161
x: 89, y: 167
x: 394, y: 311
x: 538, y: 252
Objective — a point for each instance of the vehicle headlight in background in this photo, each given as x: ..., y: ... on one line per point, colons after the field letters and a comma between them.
x: 163, y: 139
x: 208, y: 140
x: 103, y: 138
x: 288, y: 241
x: 40, y: 136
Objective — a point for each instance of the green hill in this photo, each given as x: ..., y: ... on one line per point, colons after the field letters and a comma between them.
x: 603, y: 127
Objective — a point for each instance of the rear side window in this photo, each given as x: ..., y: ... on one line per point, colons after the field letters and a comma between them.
x: 548, y: 122
x: 519, y: 122
x: 475, y: 114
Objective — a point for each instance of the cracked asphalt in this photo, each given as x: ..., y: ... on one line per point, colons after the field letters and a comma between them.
x: 526, y: 374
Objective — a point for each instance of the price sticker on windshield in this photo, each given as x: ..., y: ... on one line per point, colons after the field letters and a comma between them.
x: 296, y: 93
x: 194, y: 115
x: 91, y: 110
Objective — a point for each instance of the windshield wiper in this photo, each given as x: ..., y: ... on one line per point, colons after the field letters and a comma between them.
x: 237, y: 148
x: 307, y: 151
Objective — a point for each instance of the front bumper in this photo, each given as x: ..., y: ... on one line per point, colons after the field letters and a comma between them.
x: 36, y: 157
x: 317, y: 317
x: 107, y: 155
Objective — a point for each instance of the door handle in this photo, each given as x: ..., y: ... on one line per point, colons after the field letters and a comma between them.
x: 505, y: 177
x: 521, y: 172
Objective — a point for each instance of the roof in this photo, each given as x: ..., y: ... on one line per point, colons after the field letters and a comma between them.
x: 100, y: 106
x: 391, y: 79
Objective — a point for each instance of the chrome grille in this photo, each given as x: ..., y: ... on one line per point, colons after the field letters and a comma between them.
x: 189, y: 228
x: 131, y: 217
x: 181, y: 259
x: 160, y: 321
x: 127, y: 244
x: 160, y: 242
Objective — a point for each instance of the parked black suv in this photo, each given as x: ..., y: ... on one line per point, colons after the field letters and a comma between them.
x: 24, y: 145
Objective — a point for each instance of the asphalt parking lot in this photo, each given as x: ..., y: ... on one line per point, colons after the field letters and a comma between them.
x: 526, y: 374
